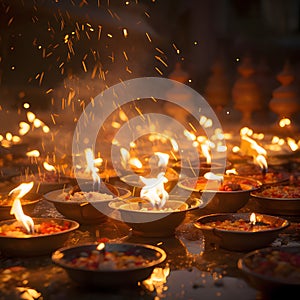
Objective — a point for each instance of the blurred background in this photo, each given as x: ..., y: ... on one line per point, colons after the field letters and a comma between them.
x: 49, y: 48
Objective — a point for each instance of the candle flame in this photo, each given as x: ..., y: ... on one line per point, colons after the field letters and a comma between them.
x: 253, y: 218
x: 154, y: 190
x: 23, y: 189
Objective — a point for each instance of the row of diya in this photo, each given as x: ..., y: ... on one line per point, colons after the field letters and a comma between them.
x: 232, y: 231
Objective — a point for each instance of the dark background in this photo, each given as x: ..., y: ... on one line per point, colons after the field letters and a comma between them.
x: 39, y: 63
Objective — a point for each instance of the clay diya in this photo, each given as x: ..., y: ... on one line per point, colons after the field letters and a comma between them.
x: 28, y: 201
x: 45, y: 236
x: 279, y: 200
x: 110, y: 264
x: 240, y: 231
x: 148, y: 221
x: 226, y: 193
x: 84, y: 203
x: 274, y: 271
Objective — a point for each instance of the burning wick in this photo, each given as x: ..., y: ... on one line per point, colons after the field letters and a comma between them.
x: 101, y: 248
x: 213, y: 176
x: 26, y: 221
x: 262, y: 162
x: 252, y: 219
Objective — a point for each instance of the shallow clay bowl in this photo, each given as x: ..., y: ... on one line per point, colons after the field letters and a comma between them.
x: 217, y: 201
x: 35, y: 245
x: 86, y: 212
x: 276, y: 285
x: 240, y: 240
x: 274, y: 205
x: 115, y: 277
x: 29, y: 202
x: 147, y: 221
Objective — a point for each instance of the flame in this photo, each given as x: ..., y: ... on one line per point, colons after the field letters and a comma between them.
x: 154, y: 190
x: 48, y: 167
x: 16, y: 208
x: 205, y: 151
x: 163, y: 159
x: 30, y: 116
x: 253, y: 218
x: 23, y: 189
x: 100, y: 247
x: 284, y: 122
x: 250, y: 146
x: 90, y: 168
x: 213, y: 176
x: 261, y: 161
x: 292, y: 143
x: 231, y: 171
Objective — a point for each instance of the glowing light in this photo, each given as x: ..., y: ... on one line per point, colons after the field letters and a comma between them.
x: 30, y: 116
x: 154, y: 190
x: 23, y: 128
x: 33, y: 153
x: 48, y: 167
x: 292, y: 143
x: 284, y: 122
x: 253, y: 218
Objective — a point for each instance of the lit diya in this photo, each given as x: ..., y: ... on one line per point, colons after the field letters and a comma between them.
x: 272, y: 270
x: 87, y: 203
x: 240, y: 231
x: 109, y: 265
x: 221, y: 193
x: 279, y: 200
x: 28, y: 201
x: 28, y: 236
x: 153, y: 214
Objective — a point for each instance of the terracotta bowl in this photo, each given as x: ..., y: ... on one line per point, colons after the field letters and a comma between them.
x: 153, y: 256
x: 216, y: 200
x: 29, y: 202
x: 34, y: 245
x: 150, y: 222
x: 86, y: 212
x: 261, y: 269
x: 240, y: 239
x: 269, y: 201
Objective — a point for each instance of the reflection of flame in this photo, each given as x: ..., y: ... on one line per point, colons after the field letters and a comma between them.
x: 16, y: 208
x: 253, y: 218
x: 48, y: 167
x: 154, y: 190
x: 157, y: 280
